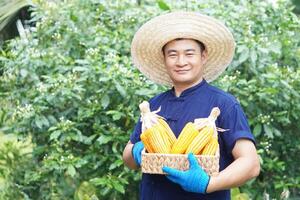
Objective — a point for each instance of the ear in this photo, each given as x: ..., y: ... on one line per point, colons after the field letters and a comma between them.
x: 165, y: 61
x: 204, y: 56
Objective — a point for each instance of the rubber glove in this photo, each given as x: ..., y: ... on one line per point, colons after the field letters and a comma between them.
x: 137, y: 152
x: 195, y: 179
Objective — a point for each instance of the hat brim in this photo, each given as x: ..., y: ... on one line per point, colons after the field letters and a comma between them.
x: 147, y: 43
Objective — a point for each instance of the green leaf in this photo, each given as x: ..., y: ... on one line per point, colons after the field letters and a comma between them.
x: 103, y: 139
x: 116, y: 115
x: 253, y: 56
x: 54, y: 135
x: 82, y: 61
x: 277, y: 132
x: 112, y: 166
x: 98, y: 181
x: 23, y: 72
x: 257, y: 130
x: 51, y: 119
x: 74, y: 17
x: 80, y: 69
x: 104, y: 78
x: 119, y: 187
x: 39, y: 122
x: 2, y: 183
x: 105, y: 191
x: 244, y: 55
x: 71, y: 170
x: 120, y: 89
x: 268, y: 131
x: 145, y: 91
x: 105, y: 101
x: 276, y: 47
x: 162, y: 5
x: 52, y: 128
x: 45, y: 121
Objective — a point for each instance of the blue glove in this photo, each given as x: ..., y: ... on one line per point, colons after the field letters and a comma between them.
x: 193, y: 180
x: 137, y: 152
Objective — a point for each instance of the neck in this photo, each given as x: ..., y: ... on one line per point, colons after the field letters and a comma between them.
x: 179, y: 88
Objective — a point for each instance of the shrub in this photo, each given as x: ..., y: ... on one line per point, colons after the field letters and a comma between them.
x: 71, y: 86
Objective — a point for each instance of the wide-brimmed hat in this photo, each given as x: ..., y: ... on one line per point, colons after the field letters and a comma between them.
x: 148, y: 41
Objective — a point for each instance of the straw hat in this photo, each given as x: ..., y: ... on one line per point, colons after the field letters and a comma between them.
x: 147, y: 43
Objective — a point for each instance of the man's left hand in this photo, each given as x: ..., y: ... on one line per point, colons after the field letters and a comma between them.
x: 193, y: 180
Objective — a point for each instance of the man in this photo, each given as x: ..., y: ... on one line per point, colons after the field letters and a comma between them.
x: 187, y: 50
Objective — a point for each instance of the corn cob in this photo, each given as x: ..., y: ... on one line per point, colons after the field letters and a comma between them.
x: 170, y: 135
x: 157, y: 140
x: 164, y: 137
x: 200, y: 140
x: 211, y: 147
x: 187, y: 135
x: 147, y: 142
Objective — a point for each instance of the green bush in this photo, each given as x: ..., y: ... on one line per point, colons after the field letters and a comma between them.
x: 15, y: 166
x: 71, y: 86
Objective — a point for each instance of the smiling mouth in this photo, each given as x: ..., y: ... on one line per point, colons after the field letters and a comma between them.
x: 181, y: 71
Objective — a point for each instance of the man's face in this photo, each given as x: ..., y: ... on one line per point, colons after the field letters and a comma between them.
x: 184, y: 62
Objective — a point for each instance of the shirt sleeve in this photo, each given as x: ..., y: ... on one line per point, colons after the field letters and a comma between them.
x: 236, y: 121
x: 135, y: 135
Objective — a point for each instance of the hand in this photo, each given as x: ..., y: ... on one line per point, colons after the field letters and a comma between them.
x: 137, y: 152
x: 193, y: 180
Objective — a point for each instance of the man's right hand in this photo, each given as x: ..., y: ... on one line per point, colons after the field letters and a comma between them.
x: 137, y: 152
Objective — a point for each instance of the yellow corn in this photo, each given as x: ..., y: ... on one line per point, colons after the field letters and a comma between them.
x: 211, y: 147
x: 187, y: 135
x: 200, y: 140
x: 158, y: 141
x: 164, y: 137
x: 170, y: 135
x: 146, y: 142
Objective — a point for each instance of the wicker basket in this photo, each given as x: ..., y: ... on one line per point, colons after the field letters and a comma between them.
x: 152, y: 163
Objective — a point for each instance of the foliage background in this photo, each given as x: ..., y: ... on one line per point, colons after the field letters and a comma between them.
x: 69, y: 96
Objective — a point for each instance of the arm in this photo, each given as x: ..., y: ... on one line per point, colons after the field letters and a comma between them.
x: 129, y: 152
x: 127, y: 156
x: 245, y: 167
x: 132, y: 154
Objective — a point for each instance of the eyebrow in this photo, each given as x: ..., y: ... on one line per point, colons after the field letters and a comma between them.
x: 173, y: 50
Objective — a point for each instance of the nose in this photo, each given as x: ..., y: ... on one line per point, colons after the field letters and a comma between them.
x: 181, y: 61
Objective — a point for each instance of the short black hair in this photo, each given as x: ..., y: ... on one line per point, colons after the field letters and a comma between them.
x: 201, y: 45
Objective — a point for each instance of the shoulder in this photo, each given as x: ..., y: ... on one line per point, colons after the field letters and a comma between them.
x: 223, y: 99
x: 221, y: 94
x: 229, y: 105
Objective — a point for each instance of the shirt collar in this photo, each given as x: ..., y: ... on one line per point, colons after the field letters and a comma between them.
x: 190, y: 90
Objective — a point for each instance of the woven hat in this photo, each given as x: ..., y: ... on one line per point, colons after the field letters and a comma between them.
x: 147, y: 43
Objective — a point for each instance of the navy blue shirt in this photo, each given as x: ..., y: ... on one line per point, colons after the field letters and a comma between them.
x: 195, y: 102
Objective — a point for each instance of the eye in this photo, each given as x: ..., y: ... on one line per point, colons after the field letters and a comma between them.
x: 172, y: 55
x: 189, y: 54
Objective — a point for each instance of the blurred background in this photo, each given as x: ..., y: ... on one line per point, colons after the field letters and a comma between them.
x: 69, y: 93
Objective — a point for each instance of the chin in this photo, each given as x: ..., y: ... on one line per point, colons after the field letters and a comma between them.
x: 182, y: 81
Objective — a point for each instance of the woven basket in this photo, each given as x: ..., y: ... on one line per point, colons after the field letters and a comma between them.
x: 152, y: 163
